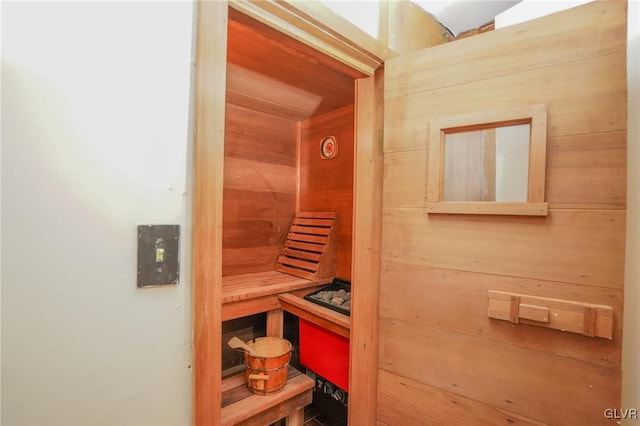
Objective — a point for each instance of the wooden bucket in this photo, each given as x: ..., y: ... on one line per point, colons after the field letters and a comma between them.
x: 267, y: 371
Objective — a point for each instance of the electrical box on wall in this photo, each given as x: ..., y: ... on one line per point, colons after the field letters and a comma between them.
x: 158, y: 255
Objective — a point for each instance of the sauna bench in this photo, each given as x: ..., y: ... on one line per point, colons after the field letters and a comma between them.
x: 249, y: 294
x: 241, y: 407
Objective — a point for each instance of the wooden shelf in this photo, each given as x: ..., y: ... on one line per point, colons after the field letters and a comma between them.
x: 249, y: 286
x: 324, y: 317
x: 242, y: 407
x: 250, y: 294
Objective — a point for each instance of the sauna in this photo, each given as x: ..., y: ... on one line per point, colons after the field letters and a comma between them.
x: 461, y: 312
x: 278, y: 221
x: 287, y: 194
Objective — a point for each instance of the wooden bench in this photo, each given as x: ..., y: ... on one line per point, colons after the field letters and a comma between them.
x: 241, y: 407
x: 307, y: 260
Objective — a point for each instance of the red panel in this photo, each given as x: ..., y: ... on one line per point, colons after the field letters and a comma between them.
x: 325, y: 352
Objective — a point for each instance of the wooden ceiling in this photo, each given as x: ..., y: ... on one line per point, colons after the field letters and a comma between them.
x: 270, y: 72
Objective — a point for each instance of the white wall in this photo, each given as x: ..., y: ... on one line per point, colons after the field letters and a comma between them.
x: 364, y: 14
x: 631, y: 339
x: 95, y: 140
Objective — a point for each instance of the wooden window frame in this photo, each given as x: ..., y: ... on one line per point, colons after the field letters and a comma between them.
x: 535, y: 116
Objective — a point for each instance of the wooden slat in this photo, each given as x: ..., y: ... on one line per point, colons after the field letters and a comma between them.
x: 297, y: 263
x: 314, y: 222
x: 316, y: 248
x: 312, y: 230
x: 301, y: 254
x: 295, y: 272
x: 316, y: 215
x: 484, y: 371
x: 306, y: 238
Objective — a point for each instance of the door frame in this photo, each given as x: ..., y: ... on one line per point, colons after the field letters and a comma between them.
x: 327, y: 32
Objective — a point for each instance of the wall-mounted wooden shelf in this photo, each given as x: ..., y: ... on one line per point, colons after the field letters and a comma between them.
x: 565, y: 315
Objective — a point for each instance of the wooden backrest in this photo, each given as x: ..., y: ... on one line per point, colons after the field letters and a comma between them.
x: 309, y: 250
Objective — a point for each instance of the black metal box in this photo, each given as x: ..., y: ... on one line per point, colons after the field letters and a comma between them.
x: 335, y: 287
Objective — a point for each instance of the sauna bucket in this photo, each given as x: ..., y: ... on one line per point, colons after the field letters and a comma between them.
x: 267, y: 371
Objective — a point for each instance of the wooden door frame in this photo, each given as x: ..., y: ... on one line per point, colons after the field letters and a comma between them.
x: 327, y: 32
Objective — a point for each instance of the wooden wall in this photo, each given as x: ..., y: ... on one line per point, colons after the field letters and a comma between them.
x: 442, y: 361
x: 259, y: 198
x: 327, y: 185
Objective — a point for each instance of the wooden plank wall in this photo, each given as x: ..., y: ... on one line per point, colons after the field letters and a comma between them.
x: 327, y: 185
x: 442, y: 361
x: 259, y: 198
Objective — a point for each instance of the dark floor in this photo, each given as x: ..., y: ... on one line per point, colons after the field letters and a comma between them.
x: 314, y: 417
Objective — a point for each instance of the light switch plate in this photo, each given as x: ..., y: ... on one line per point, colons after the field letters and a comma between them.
x: 158, y: 255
